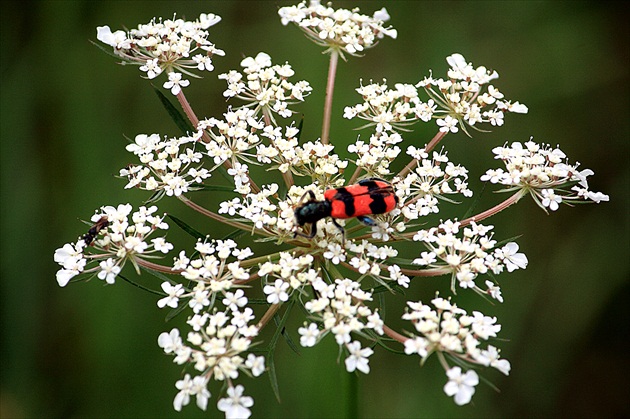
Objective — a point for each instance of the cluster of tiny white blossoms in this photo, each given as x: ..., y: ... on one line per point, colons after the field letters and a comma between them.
x: 450, y: 330
x: 287, y: 273
x: 117, y: 239
x: 335, y: 272
x: 172, y: 46
x: 340, y: 309
x: 215, y: 347
x: 461, y: 98
x: 165, y: 167
x: 431, y: 180
x: 266, y: 87
x: 544, y: 172
x: 469, y: 256
x: 219, y: 338
x: 390, y: 109
x: 210, y: 270
x: 341, y: 29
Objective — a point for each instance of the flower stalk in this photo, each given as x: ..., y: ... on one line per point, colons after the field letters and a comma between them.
x: 330, y: 87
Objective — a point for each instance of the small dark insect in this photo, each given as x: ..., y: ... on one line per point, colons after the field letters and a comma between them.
x: 369, y: 196
x: 94, y: 230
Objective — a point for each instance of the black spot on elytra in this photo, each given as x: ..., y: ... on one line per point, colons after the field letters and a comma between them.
x: 348, y: 201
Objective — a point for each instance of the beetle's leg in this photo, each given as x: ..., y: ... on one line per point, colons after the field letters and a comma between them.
x: 343, y: 232
x: 308, y: 236
x: 311, y: 195
x: 366, y: 220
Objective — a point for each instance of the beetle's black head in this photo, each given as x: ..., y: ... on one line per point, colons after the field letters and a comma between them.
x: 312, y: 211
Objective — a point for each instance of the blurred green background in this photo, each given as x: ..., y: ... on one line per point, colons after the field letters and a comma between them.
x: 90, y: 351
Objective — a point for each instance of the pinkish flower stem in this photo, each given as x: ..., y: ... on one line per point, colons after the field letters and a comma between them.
x: 330, y: 86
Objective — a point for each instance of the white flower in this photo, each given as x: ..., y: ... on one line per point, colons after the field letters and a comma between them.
x: 358, y: 358
x: 116, y: 39
x: 416, y: 346
x: 277, y: 292
x: 183, y: 397
x: 511, y: 258
x: 550, y: 199
x: 171, y: 341
x: 256, y: 364
x: 108, y: 271
x: 462, y: 386
x: 448, y: 124
x: 233, y: 300
x: 236, y: 405
x: 494, y: 291
x: 152, y: 68
x: 490, y: 357
x: 309, y: 335
x: 173, y: 294
x: 175, y: 83
x: 340, y: 28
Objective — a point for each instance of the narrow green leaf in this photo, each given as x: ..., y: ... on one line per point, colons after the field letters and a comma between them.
x: 273, y: 378
x: 142, y: 287
x: 475, y: 202
x: 175, y: 312
x: 182, y: 123
x: 188, y: 229
x: 234, y: 235
x: 287, y: 337
x: 381, y: 305
x: 397, y: 289
x: 213, y: 188
x: 274, y: 340
x: 299, y: 127
x: 107, y: 51
x: 257, y: 301
x: 158, y: 275
x: 157, y: 195
x: 272, y: 347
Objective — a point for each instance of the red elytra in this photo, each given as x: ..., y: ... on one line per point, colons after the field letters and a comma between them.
x: 367, y: 197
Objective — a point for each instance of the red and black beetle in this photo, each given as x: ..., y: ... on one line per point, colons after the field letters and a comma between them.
x: 369, y: 196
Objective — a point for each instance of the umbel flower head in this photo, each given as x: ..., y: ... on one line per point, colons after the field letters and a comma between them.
x: 335, y: 232
x: 464, y: 98
x: 266, y: 86
x: 339, y: 29
x: 116, y: 239
x: 174, y: 46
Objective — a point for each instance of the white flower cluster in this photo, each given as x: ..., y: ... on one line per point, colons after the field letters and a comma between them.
x: 451, y: 330
x: 232, y: 139
x: 285, y: 154
x: 255, y: 207
x: 466, y: 97
x: 341, y: 309
x: 210, y: 270
x: 174, y: 46
x: 367, y: 259
x: 469, y: 256
x: 390, y: 109
x: 165, y: 166
x: 544, y: 172
x: 216, y: 347
x: 118, y: 239
x: 376, y: 155
x: 343, y: 29
x: 266, y: 87
x: 290, y: 272
x: 459, y: 99
x: 432, y: 179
